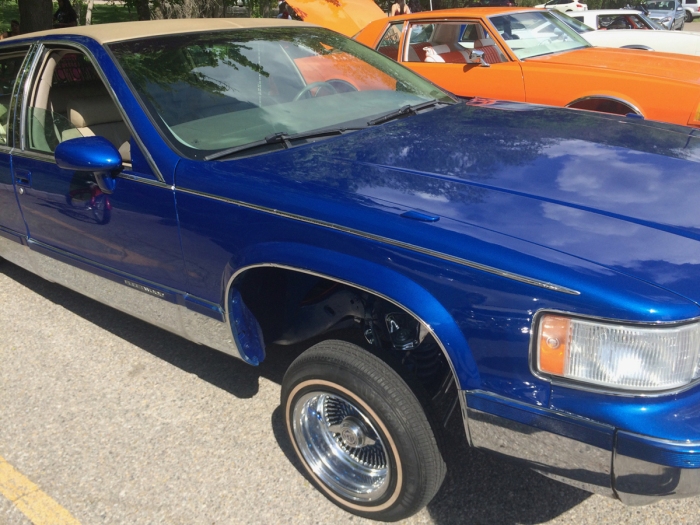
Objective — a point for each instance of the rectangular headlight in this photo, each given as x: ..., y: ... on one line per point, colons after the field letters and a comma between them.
x: 618, y: 356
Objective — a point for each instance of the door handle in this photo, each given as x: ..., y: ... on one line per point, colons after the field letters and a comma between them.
x: 23, y: 178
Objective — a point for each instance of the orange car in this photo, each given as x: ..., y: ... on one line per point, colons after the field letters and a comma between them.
x: 529, y: 55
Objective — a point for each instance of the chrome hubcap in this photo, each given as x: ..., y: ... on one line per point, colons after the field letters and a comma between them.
x: 341, y: 446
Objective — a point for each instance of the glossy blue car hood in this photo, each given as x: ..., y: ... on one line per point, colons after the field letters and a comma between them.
x: 619, y: 192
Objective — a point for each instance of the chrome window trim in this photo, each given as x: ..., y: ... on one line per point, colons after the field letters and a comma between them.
x: 386, y: 240
x: 45, y: 157
x: 28, y: 80
x: 144, y: 180
x: 590, y: 387
x: 43, y: 49
x: 28, y: 50
x: 35, y: 155
x: 634, y: 108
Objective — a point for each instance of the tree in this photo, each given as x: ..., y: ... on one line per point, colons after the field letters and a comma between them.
x: 143, y: 10
x: 35, y: 15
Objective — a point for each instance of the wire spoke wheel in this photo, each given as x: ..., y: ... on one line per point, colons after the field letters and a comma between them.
x: 342, y: 446
x: 360, y: 432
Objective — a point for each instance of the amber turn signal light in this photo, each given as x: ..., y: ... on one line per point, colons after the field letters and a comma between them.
x: 554, y: 344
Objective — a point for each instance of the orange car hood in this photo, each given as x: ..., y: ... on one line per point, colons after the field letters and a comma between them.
x: 345, y: 16
x: 665, y: 65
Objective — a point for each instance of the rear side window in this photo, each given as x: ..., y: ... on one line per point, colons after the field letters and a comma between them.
x: 389, y: 44
x: 10, y: 66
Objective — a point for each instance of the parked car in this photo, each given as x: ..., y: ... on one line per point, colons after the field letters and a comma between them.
x: 685, y: 42
x: 491, y: 3
x: 608, y: 19
x: 668, y: 13
x: 531, y: 270
x: 564, y: 6
x: 530, y: 55
x: 691, y: 9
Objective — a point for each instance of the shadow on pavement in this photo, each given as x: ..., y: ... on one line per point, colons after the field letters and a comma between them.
x: 478, y: 488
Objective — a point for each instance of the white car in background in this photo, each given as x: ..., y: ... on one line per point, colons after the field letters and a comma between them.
x: 685, y: 43
x: 692, y: 9
x: 616, y: 19
x: 564, y: 6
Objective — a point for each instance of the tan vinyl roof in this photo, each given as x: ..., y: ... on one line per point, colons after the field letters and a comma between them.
x: 106, y: 33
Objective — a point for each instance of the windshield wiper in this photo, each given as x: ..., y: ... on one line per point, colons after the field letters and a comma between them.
x: 403, y: 111
x: 279, y: 138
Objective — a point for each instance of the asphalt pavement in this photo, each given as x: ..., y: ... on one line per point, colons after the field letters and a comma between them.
x: 122, y: 423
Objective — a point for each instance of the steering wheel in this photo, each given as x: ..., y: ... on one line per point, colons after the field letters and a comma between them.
x: 342, y: 86
x: 314, y: 85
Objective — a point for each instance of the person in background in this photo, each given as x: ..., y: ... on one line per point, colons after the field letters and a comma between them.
x: 400, y: 8
x: 14, y: 30
x: 284, y: 11
x: 65, y: 15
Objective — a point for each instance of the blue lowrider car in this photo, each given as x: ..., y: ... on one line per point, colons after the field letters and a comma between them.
x: 533, y: 271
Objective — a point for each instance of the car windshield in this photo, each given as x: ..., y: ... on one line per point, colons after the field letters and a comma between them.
x: 661, y: 6
x: 535, y: 33
x: 574, y: 24
x: 215, y: 91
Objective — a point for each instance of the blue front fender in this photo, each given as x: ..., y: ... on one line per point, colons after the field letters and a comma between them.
x: 374, y: 278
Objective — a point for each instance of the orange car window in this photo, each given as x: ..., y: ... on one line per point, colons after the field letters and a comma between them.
x: 450, y: 43
x: 389, y: 44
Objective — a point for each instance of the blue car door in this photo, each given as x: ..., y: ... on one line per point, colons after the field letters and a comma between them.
x: 129, y: 236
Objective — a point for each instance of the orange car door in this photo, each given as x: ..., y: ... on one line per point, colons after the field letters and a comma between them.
x: 440, y: 51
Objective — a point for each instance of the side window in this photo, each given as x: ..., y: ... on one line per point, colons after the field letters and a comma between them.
x: 389, y: 44
x: 450, y: 43
x: 694, y: 2
x: 9, y: 69
x: 613, y: 22
x: 636, y: 22
x: 579, y: 18
x: 69, y: 100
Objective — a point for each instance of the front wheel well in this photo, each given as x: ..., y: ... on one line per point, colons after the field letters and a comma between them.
x: 286, y: 307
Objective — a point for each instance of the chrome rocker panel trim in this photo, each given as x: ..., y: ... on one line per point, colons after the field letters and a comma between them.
x: 127, y: 296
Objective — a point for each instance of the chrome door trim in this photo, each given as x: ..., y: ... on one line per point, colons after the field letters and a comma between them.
x: 386, y: 240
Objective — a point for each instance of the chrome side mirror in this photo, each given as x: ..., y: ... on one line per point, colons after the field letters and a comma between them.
x: 477, y: 57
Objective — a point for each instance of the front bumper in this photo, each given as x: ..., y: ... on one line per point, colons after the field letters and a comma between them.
x: 595, y: 457
x: 667, y: 25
